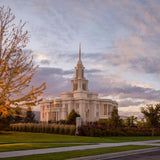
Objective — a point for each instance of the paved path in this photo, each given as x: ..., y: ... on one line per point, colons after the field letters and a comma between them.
x: 73, y: 148
x: 153, y: 155
x: 140, y: 154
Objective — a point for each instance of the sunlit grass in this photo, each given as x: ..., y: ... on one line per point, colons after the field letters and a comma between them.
x: 28, y: 146
x: 26, y: 137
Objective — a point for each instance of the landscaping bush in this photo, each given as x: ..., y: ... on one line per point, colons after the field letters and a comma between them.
x: 86, y: 130
x: 66, y: 130
x: 62, y: 122
x: 56, y: 129
x: 102, y: 130
x: 61, y: 130
x: 43, y: 128
x: 72, y: 130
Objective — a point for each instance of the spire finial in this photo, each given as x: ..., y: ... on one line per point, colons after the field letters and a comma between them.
x: 80, y: 51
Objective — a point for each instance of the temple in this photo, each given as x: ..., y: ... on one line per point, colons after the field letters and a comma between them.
x: 90, y: 107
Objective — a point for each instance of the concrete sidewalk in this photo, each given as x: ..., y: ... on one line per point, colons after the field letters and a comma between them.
x: 73, y: 148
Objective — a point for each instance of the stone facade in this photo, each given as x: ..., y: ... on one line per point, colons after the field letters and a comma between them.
x: 86, y: 103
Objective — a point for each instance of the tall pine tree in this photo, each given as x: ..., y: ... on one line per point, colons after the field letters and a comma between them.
x: 115, y: 118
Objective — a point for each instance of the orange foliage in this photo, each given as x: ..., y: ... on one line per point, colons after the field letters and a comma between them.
x: 16, y: 66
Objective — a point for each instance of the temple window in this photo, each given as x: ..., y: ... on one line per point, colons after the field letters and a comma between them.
x: 105, y: 109
x: 97, y: 107
x: 75, y: 86
x: 43, y: 115
x: 82, y: 73
x: 54, y: 116
x: 57, y: 105
x: 77, y: 107
x: 109, y: 109
x: 76, y: 72
x: 97, y: 114
x: 87, y: 115
x: 66, y: 106
x: 84, y: 86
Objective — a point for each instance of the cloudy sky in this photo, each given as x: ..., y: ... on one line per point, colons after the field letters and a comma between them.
x: 120, y: 46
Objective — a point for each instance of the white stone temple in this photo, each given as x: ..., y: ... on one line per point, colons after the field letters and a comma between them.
x: 90, y: 107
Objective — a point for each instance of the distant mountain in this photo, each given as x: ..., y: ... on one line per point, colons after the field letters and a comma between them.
x: 37, y: 115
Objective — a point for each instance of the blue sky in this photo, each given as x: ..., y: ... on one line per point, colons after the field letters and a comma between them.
x: 120, y: 46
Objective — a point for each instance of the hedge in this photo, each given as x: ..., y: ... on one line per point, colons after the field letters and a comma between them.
x: 102, y: 131
x: 43, y: 128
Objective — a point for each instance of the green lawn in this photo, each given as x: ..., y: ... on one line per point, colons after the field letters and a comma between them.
x: 28, y: 146
x: 80, y: 153
x: 25, y: 140
x: 26, y: 137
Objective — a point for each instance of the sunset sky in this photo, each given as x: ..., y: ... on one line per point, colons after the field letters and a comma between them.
x: 120, y: 46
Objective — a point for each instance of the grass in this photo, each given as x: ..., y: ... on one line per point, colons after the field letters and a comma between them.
x: 80, y: 153
x: 28, y: 146
x: 26, y: 137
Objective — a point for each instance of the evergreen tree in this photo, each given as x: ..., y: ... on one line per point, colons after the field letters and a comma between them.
x: 115, y: 119
x: 71, y: 119
x: 30, y: 116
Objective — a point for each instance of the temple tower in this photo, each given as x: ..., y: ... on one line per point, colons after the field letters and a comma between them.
x: 79, y: 83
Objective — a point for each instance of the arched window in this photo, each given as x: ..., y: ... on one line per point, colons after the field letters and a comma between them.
x: 105, y: 109
x: 76, y: 72
x: 82, y: 73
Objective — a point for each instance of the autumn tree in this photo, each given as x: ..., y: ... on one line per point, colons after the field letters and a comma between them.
x: 16, y: 66
x: 18, y: 115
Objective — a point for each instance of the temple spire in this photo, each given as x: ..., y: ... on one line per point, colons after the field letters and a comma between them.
x: 80, y: 51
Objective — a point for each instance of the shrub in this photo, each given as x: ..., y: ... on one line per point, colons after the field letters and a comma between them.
x: 66, y: 129
x: 61, y: 129
x: 56, y: 129
x: 102, y: 130
x: 72, y: 130
x: 62, y: 122
x: 43, y: 128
